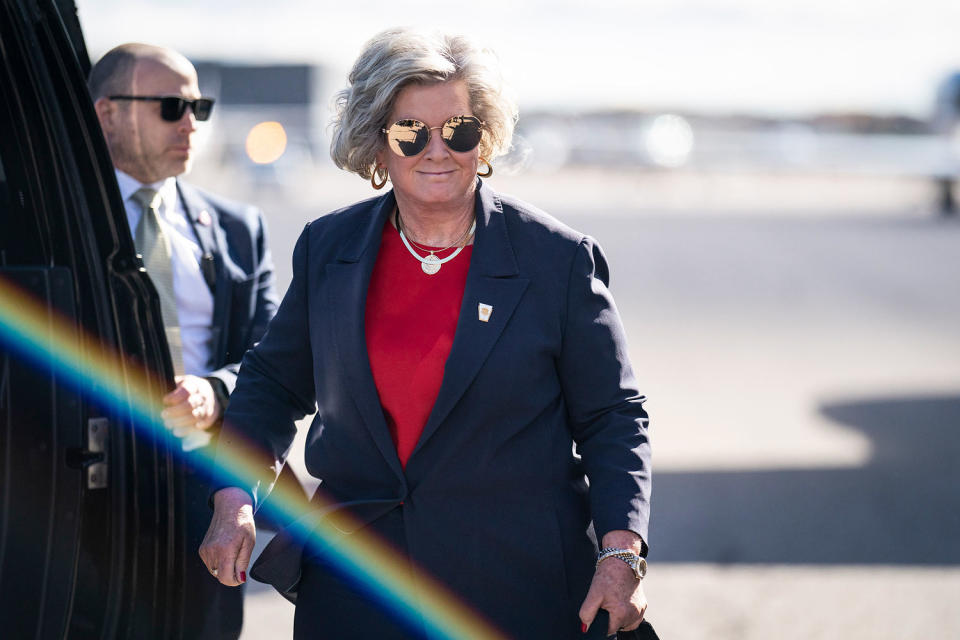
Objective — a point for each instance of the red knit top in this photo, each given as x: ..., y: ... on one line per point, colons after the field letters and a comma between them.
x: 411, y: 318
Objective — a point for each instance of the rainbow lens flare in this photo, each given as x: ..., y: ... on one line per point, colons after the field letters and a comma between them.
x: 29, y: 331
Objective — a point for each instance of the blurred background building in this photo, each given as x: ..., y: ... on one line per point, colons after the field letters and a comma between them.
x: 735, y: 85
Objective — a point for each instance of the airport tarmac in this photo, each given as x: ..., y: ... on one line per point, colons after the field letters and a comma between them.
x: 797, y: 338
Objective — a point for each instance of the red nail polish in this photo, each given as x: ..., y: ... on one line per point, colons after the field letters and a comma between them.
x: 243, y: 576
x: 583, y: 627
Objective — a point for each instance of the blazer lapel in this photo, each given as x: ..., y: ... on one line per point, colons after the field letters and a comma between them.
x: 347, y: 282
x: 206, y: 225
x: 492, y: 282
x: 203, y: 218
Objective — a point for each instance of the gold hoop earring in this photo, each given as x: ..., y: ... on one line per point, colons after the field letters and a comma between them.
x: 489, y: 171
x: 373, y: 177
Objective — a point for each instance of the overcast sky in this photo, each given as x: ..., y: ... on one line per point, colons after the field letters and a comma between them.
x: 787, y: 57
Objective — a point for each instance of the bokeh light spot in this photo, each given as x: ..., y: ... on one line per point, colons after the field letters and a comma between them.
x: 266, y: 142
x: 669, y: 140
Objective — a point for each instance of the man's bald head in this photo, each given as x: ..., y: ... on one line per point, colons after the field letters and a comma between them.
x: 142, y: 143
x: 114, y: 72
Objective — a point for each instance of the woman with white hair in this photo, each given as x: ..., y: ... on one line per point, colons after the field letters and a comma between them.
x: 475, y: 406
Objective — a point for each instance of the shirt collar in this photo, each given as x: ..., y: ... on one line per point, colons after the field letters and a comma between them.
x: 130, y: 185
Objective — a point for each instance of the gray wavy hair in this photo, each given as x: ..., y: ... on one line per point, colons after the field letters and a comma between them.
x: 400, y: 57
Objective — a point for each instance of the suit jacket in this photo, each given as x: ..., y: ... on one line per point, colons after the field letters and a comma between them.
x: 494, y: 500
x: 238, y: 264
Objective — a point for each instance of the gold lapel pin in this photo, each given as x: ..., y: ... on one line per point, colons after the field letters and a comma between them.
x: 484, y: 311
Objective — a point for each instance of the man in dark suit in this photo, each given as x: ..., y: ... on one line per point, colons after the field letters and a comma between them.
x: 209, y: 261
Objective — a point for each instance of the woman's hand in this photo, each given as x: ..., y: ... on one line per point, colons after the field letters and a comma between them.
x: 616, y: 588
x: 229, y: 541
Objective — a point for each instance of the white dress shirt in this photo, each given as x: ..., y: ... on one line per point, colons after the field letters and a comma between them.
x: 193, y: 296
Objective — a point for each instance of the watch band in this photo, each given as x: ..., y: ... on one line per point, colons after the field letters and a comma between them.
x: 636, y: 562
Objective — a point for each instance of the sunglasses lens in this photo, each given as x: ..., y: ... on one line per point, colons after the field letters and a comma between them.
x: 171, y: 109
x: 462, y: 133
x: 202, y: 108
x: 407, y: 137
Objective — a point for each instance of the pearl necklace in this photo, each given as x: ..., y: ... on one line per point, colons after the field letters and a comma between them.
x: 431, y: 263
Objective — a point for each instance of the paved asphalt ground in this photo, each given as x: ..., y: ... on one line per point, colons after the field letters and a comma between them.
x: 798, y: 340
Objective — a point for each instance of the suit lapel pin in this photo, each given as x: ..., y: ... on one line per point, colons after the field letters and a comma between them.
x: 484, y: 311
x: 204, y: 218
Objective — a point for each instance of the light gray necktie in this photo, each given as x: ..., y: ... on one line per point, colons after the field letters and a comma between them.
x: 154, y: 245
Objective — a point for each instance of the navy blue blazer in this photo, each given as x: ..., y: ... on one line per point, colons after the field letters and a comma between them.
x: 494, y: 499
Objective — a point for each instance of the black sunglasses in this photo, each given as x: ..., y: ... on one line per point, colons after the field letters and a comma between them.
x: 173, y: 107
x: 409, y: 137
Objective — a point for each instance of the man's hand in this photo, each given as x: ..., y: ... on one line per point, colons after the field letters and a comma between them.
x: 229, y: 541
x: 192, y: 405
x: 616, y: 588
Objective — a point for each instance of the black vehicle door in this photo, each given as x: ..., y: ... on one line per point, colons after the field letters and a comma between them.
x: 90, y: 538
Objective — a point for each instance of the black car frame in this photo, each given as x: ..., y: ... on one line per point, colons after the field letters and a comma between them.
x: 91, y: 537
